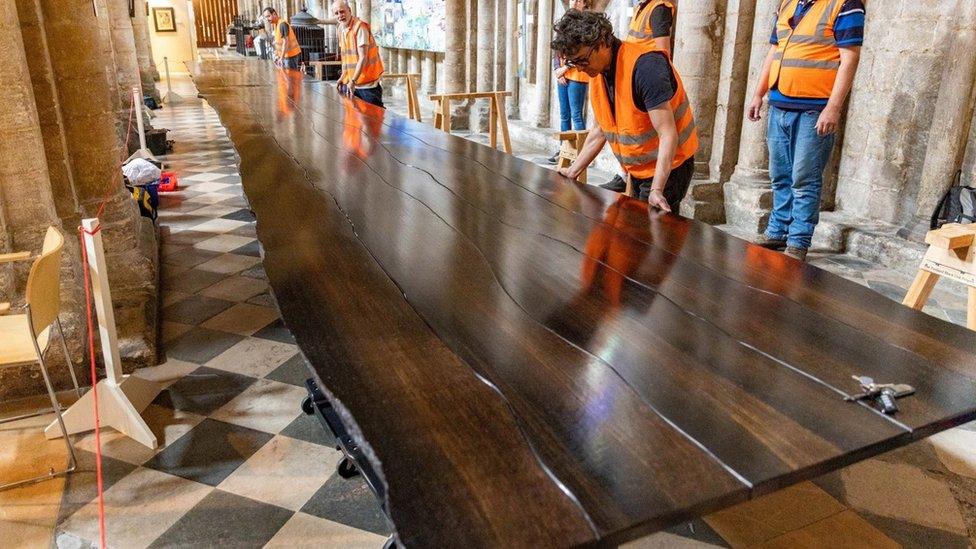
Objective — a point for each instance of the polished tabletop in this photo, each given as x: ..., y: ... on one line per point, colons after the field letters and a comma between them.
x: 530, y: 362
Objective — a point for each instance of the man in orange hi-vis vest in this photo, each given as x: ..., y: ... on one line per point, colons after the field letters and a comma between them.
x: 640, y: 107
x: 652, y: 24
x: 288, y: 53
x: 814, y: 51
x: 361, y: 63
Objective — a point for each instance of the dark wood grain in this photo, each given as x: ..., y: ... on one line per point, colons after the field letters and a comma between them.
x: 535, y: 362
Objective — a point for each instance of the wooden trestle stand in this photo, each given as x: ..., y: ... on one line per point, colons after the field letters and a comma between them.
x: 442, y: 114
x: 121, y: 398
x: 570, y: 143
x: 950, y: 254
x: 413, y: 104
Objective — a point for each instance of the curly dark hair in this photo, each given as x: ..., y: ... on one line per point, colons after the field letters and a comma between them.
x: 581, y: 29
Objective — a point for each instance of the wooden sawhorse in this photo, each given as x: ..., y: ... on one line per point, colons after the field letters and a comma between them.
x: 952, y: 254
x: 570, y: 144
x: 413, y: 105
x: 319, y: 67
x: 442, y: 114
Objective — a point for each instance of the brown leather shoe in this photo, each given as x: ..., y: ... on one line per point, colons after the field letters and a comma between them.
x: 770, y: 243
x: 796, y: 253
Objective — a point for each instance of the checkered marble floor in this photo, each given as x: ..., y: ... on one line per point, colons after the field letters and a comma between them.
x: 239, y: 465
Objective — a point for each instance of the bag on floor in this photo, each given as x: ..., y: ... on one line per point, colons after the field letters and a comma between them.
x: 147, y: 197
x: 958, y: 205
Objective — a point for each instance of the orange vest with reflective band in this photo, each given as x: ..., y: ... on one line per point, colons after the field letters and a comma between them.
x: 807, y: 58
x: 640, y: 24
x: 628, y: 130
x: 372, y: 66
x: 291, y: 48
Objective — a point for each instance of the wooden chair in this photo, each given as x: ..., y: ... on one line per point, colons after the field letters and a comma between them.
x: 25, y: 337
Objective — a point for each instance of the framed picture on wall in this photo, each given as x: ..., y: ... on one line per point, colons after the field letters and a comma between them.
x: 164, y: 19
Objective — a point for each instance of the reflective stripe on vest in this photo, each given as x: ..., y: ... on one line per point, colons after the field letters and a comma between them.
x: 372, y: 65
x: 807, y: 57
x: 628, y: 130
x: 291, y: 47
x: 640, y: 24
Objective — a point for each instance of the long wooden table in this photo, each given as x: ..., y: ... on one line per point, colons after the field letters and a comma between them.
x: 528, y: 362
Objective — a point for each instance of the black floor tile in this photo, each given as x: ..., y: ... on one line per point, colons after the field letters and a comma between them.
x: 309, y: 429
x: 252, y: 249
x: 348, y: 502
x: 203, y: 391
x: 200, y: 345
x: 293, y: 371
x: 209, y: 452
x: 195, y: 309
x: 223, y: 519
x: 240, y: 215
x: 276, y: 331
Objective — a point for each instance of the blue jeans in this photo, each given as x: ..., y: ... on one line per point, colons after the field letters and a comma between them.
x: 572, y: 99
x: 797, y: 158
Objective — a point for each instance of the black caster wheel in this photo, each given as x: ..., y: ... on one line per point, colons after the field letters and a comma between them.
x: 307, y: 406
x: 346, y: 468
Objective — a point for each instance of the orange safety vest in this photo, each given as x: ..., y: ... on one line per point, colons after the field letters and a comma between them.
x: 807, y: 58
x: 372, y: 66
x: 291, y: 47
x: 640, y: 24
x: 628, y: 130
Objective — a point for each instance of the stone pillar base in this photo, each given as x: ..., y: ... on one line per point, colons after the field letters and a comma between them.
x: 705, y: 202
x: 748, y: 200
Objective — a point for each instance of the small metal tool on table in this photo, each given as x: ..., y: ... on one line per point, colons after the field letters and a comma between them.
x: 885, y: 395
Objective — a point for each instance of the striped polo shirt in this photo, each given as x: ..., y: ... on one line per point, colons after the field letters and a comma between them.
x: 848, y: 32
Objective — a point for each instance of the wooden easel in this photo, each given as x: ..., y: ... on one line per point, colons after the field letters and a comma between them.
x: 442, y: 113
x: 952, y: 254
x: 413, y: 105
x: 570, y: 143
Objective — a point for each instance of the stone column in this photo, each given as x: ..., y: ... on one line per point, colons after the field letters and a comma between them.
x: 511, y: 50
x: 27, y: 206
x: 472, y: 45
x: 49, y: 116
x: 950, y: 125
x: 455, y: 57
x: 748, y: 197
x: 454, y: 52
x: 126, y: 61
x: 428, y: 77
x: 697, y: 56
x: 543, y: 63
x: 501, y: 34
x: 147, y: 66
x: 95, y: 152
x: 486, y: 57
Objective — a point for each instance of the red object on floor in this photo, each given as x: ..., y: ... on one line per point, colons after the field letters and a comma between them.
x: 167, y: 182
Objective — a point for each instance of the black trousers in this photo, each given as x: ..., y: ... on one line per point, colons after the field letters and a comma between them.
x: 674, y: 190
x: 370, y: 95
